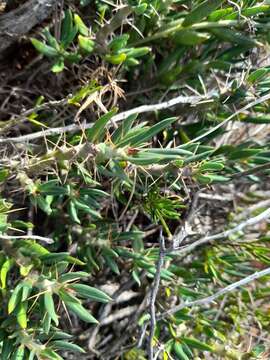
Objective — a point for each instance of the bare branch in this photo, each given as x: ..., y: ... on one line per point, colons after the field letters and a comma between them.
x: 28, y: 237
x: 254, y: 170
x: 119, y: 117
x: 153, y: 295
x: 207, y: 239
x: 192, y: 100
x: 210, y: 299
x: 236, y: 113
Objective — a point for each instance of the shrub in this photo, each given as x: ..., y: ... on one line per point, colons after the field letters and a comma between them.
x: 133, y: 196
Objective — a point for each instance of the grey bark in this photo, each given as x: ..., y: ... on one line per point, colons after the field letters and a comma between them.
x: 17, y: 23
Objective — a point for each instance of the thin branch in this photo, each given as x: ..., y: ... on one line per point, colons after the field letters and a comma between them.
x: 252, y: 221
x: 225, y: 121
x: 254, y: 170
x: 28, y: 237
x: 210, y: 299
x: 153, y: 295
x: 119, y: 117
x: 118, y: 315
x: 192, y: 100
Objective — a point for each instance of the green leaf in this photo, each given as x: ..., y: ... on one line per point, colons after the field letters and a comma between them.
x: 196, y: 344
x: 116, y: 59
x: 33, y: 248
x: 218, y: 178
x: 43, y: 204
x: 90, y: 292
x: 248, y: 12
x: 83, y: 29
x: 243, y: 153
x: 68, y: 30
x: 202, y: 156
x: 169, y: 151
x: 220, y: 13
x: 73, y: 58
x: 96, y: 133
x: 136, y: 52
x: 49, y: 306
x: 203, y: 179
x: 211, y: 166
x: 52, y: 187
x: 15, y: 298
x: 19, y: 354
x: 86, y: 208
x: 86, y: 44
x: 81, y: 312
x: 147, y: 134
x: 22, y: 315
x: 44, y: 49
x: 7, y: 348
x: 73, y: 276
x: 58, y: 66
x: 46, y: 323
x: 73, y: 212
x: 201, y: 11
x: 124, y: 128
x: 51, y: 39
x: 179, y: 351
x: 85, y: 91
x: 54, y: 257
x: 190, y: 37
x: 4, y: 271
x: 258, y: 75
x: 49, y: 354
x: 111, y: 263
x: 140, y: 9
x: 64, y: 345
x: 67, y: 297
x: 233, y: 37
x: 118, y: 43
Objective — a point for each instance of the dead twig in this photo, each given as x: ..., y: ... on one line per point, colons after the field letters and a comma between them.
x: 207, y: 239
x: 119, y: 117
x: 28, y: 237
x: 153, y: 295
x: 211, y: 298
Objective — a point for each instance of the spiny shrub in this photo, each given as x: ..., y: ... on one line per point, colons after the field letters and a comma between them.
x: 99, y: 196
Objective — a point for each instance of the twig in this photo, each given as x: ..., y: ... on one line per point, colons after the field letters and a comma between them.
x: 119, y: 117
x: 32, y: 237
x: 225, y: 121
x: 139, y: 110
x: 142, y: 335
x: 153, y: 295
x: 256, y: 169
x: 104, y: 313
x: 109, y: 28
x: 252, y: 221
x: 185, y: 229
x: 118, y: 315
x: 211, y: 298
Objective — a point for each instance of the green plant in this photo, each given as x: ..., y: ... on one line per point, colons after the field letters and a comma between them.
x: 191, y: 167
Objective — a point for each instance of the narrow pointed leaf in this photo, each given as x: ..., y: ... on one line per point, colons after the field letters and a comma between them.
x: 98, y: 130
x: 81, y: 312
x: 90, y: 293
x: 49, y: 306
x: 201, y: 11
